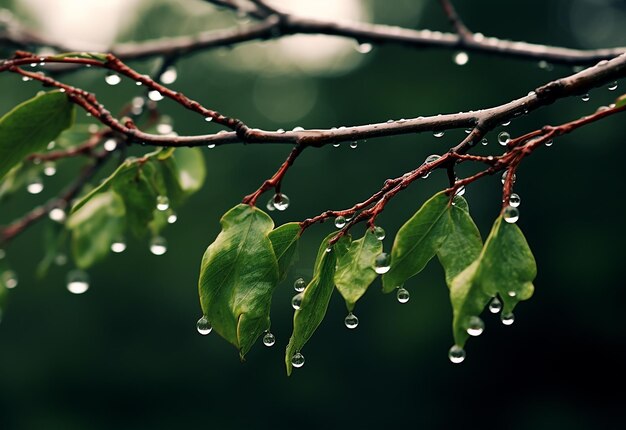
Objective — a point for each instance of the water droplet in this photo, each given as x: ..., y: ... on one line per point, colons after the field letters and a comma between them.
x: 158, y: 245
x: 460, y: 191
x: 298, y: 129
x: 340, y: 221
x: 269, y: 339
x: 504, y: 138
x: 475, y: 326
x: 77, y: 281
x: 119, y: 245
x: 512, y: 293
x: 510, y: 214
x: 211, y: 145
x: 299, y: 285
x: 495, y: 305
x: 297, y: 360
x: 49, y: 168
x: 26, y: 78
x: 336, y: 145
x: 169, y: 75
x: 468, y: 130
x: 51, y: 145
x: 612, y: 86
x: 364, y: 48
x: 461, y: 58
x: 155, y: 96
x: 9, y: 279
x: 484, y: 141
x: 549, y: 142
x: 351, y: 321
x: 402, y: 295
x: 164, y: 128
x: 296, y: 301
x: 270, y: 205
x: 57, y: 214
x: 60, y: 259
x: 35, y: 185
x: 112, y: 78
x: 505, y: 174
x: 456, y: 354
x: 171, y: 216
x: 439, y: 133
x: 507, y: 318
x: 204, y: 326
x: 543, y: 64
x: 208, y: 118
x: 432, y: 158
x: 163, y: 203
x: 506, y: 123
x: 354, y: 144
x: 110, y: 145
x: 379, y: 233
x: 329, y: 249
x: 381, y: 264
x: 585, y: 97
x: 281, y: 202
x: 515, y: 200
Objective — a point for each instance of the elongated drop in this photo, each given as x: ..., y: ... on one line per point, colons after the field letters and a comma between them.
x: 381, y: 264
x: 297, y: 360
x: 299, y: 285
x: 475, y: 326
x: 158, y: 245
x: 507, y: 318
x: 203, y: 326
x: 77, y: 281
x: 495, y: 305
x: 402, y: 295
x: 269, y: 339
x: 296, y: 301
x: 379, y: 233
x: 456, y: 354
x: 351, y: 321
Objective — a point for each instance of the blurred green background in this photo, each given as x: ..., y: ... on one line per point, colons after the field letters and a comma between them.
x: 126, y: 354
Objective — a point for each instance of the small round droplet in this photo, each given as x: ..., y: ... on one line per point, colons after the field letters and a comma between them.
x: 475, y: 326
x: 512, y: 293
x: 60, y: 259
x: 171, y: 216
x: 299, y: 285
x: 612, y: 86
x: 340, y: 221
x: 506, y: 123
x: 9, y: 279
x: 110, y: 145
x: 381, y: 264
x: 296, y: 301
x: 456, y: 354
x: 364, y: 48
x: 336, y: 145
x: 112, y: 78
x: 354, y: 144
x: 158, y: 245
x: 402, y: 295
x: 49, y: 168
x: 35, y: 185
x: 297, y: 360
x: 507, y: 318
x: 298, y: 128
x: 77, y: 281
x: 351, y: 321
x: 269, y: 339
x: 281, y: 202
x: 504, y: 138
x: 155, y: 96
x: 208, y: 118
x: 270, y: 205
x: 585, y: 97
x: 484, y: 141
x: 461, y: 58
x: 495, y: 305
x: 510, y: 214
x: 514, y: 200
x: 118, y: 246
x: 163, y: 203
x: 204, y: 326
x: 211, y: 145
x: 432, y: 158
x: 504, y: 176
x: 439, y: 133
x: 548, y: 142
x: 379, y: 233
x: 169, y: 75
x: 57, y: 215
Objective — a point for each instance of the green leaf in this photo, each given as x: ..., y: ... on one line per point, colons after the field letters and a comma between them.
x: 285, y: 243
x: 238, y: 275
x: 355, y: 268
x: 30, y: 126
x: 417, y: 241
x: 188, y: 168
x: 135, y: 185
x: 621, y: 101
x: 315, y: 299
x: 95, y: 226
x: 505, y: 266
x: 55, y: 237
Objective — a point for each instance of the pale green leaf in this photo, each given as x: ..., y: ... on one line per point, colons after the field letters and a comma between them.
x: 285, y: 243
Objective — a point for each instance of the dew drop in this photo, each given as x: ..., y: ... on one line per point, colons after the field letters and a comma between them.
x: 110, y: 145
x: 112, y: 78
x: 585, y: 97
x: 298, y: 129
x: 211, y: 145
x: 364, y: 48
x: 506, y: 123
x: 515, y: 200
x: 432, y: 158
x: 612, y: 86
x: 439, y: 133
x: 270, y: 205
x: 504, y: 138
x: 507, y: 318
x: 461, y: 58
x: 504, y: 176
x: 155, y: 96
x: 164, y: 127
x: 549, y: 142
x: 158, y: 245
x: 379, y: 233
x: 163, y: 203
x: 35, y: 185
x: 495, y: 305
x: 475, y: 326
x: 60, y: 259
x: 297, y: 360
x: 460, y: 191
x: 57, y: 215
x: 510, y: 214
x: 9, y: 279
x: 171, y: 217
x: 354, y: 144
x: 208, y: 118
x: 51, y: 145
x: 336, y: 145
x: 281, y: 202
x: 269, y: 339
x: 119, y: 245
x: 49, y: 168
x: 340, y: 221
x: 512, y: 293
x: 381, y: 264
x: 169, y: 75
x: 77, y: 281
x: 204, y: 326
x: 402, y: 295
x: 484, y: 141
x: 299, y: 285
x: 351, y: 321
x: 296, y: 301
x: 456, y: 354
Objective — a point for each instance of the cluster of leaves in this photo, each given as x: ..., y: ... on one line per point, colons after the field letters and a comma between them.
x: 243, y: 266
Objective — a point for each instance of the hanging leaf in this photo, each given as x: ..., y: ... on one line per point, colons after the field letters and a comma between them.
x: 355, y: 268
x: 238, y: 275
x: 184, y: 173
x: 136, y: 186
x: 285, y: 243
x: 31, y: 125
x: 417, y: 241
x: 621, y: 101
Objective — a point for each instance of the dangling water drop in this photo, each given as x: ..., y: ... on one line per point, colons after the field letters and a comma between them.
x: 296, y: 301
x: 112, y: 78
x: 456, y: 354
x: 351, y: 321
x: 118, y: 245
x: 158, y: 245
x: 507, y: 318
x: 504, y: 138
x: 354, y: 144
x: 49, y: 168
x: 297, y: 360
x: 299, y: 285
x: 506, y: 123
x: 211, y: 145
x: 514, y: 200
x: 379, y: 233
x: 169, y: 75
x: 35, y: 185
x: 460, y: 191
x: 57, y: 215
x: 269, y: 339
x: 612, y: 86
x: 364, y: 48
x: 9, y: 279
x: 504, y: 176
x: 461, y: 58
x: 484, y: 141
x: 549, y: 142
x: 270, y: 205
x: 155, y: 96
x: 281, y: 202
x: 475, y: 326
x: 340, y: 221
x: 381, y: 264
x: 439, y: 133
x: 336, y: 145
x: 495, y: 305
x: 171, y: 216
x: 204, y: 326
x: 510, y: 214
x: 110, y: 145
x: 585, y: 97
x: 77, y: 281
x: 163, y: 203
x: 402, y: 295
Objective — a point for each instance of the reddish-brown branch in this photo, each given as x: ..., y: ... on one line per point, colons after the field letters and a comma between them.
x: 464, y: 34
x: 85, y: 148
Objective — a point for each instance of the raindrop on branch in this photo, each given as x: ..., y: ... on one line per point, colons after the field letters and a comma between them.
x: 281, y: 202
x: 461, y: 58
x: 169, y: 75
x: 296, y: 301
x: 504, y: 138
x: 515, y: 200
x: 340, y: 221
x: 112, y: 78
x: 510, y: 214
x: 379, y: 233
x: 77, y: 281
